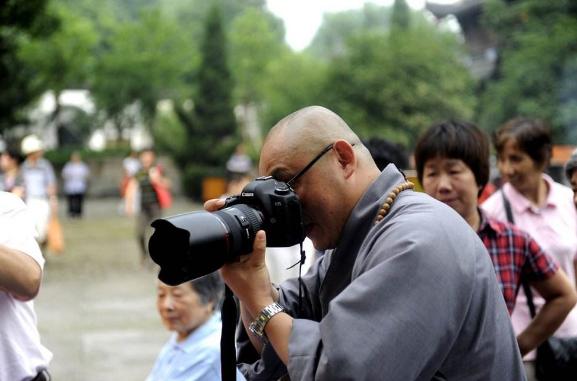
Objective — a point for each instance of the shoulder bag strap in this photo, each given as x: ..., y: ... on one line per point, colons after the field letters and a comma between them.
x: 526, y: 287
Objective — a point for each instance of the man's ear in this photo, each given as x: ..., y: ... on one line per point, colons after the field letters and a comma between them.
x: 346, y: 156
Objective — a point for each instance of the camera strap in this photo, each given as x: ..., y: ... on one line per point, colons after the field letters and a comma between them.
x: 229, y: 319
x: 227, y: 339
x: 301, y: 262
x: 301, y: 284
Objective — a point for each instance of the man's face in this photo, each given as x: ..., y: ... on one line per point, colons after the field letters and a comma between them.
x: 452, y: 182
x: 318, y: 190
x: 180, y: 308
x: 574, y: 186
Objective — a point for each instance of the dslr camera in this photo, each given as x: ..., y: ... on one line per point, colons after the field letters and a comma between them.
x: 190, y: 245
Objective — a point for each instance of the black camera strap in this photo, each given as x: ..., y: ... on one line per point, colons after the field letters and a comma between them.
x: 229, y: 314
x: 524, y: 283
x: 227, y: 339
x: 301, y: 262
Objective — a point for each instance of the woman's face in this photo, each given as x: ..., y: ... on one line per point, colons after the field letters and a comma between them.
x: 452, y: 182
x: 181, y: 309
x: 7, y: 162
x: 518, y: 168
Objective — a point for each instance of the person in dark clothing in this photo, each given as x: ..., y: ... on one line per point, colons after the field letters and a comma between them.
x: 142, y: 199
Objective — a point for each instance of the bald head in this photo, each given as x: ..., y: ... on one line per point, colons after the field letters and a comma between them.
x: 310, y: 128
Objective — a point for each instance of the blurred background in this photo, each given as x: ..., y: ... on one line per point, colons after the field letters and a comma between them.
x: 196, y: 78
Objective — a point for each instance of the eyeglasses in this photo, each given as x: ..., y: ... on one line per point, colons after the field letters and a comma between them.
x: 291, y: 182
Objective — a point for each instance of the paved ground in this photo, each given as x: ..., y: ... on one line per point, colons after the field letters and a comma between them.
x: 96, y: 309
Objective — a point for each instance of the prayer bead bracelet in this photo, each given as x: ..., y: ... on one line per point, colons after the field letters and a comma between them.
x: 391, y: 198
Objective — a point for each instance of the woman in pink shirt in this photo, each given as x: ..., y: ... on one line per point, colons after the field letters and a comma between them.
x: 539, y: 205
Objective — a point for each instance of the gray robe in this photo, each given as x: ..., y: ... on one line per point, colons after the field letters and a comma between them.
x: 413, y: 297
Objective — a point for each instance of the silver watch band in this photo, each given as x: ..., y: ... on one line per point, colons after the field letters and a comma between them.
x: 257, y: 326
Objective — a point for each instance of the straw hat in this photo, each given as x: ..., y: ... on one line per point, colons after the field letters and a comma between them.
x: 31, y: 144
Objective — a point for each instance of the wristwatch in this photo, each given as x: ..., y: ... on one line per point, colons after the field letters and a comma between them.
x: 257, y: 326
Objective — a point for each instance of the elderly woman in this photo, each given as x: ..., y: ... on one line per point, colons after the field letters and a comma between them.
x: 540, y: 206
x: 190, y: 310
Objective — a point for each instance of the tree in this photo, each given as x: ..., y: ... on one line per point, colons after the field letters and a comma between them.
x: 337, y: 28
x: 213, y: 105
x: 145, y: 61
x: 394, y: 85
x: 211, y: 131
x: 256, y: 40
x: 538, y: 62
x: 62, y: 60
x: 293, y: 80
x: 401, y: 16
x: 19, y: 20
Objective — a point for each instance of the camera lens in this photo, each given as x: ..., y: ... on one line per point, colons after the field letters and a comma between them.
x: 191, y: 245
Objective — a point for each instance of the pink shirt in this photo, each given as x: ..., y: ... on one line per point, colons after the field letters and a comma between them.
x: 554, y: 227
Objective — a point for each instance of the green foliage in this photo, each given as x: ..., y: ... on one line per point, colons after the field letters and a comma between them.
x: 337, y: 28
x: 536, y: 76
x: 395, y: 85
x: 210, y: 132
x: 193, y: 176
x: 214, y: 132
x: 140, y: 52
x: 63, y: 59
x: 255, y: 41
x: 293, y: 80
x: 169, y: 134
x: 401, y: 17
x: 19, y: 20
x: 144, y: 62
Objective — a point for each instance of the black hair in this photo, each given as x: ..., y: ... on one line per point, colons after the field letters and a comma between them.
x: 385, y: 152
x: 455, y: 140
x: 14, y: 154
x: 533, y: 136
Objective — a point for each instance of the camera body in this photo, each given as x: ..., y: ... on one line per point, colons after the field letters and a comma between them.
x: 280, y: 207
x: 194, y: 244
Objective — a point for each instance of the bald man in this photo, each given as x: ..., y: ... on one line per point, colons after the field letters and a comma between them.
x: 408, y: 291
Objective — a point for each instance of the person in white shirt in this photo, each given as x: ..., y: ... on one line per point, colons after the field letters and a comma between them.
x: 40, y: 188
x: 75, y: 175
x: 22, y: 356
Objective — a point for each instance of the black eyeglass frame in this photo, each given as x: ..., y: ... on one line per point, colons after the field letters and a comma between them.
x: 291, y: 182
